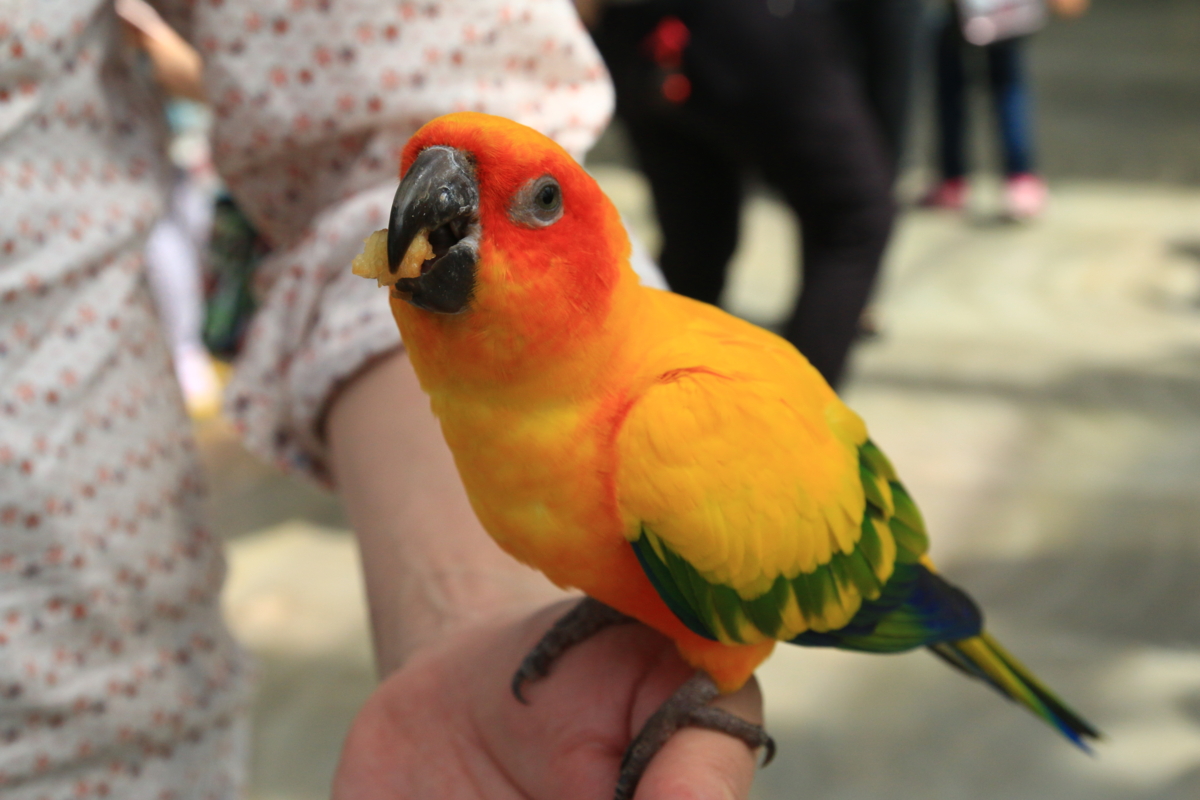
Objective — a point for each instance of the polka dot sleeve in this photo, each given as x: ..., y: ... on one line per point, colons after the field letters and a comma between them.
x: 313, y: 101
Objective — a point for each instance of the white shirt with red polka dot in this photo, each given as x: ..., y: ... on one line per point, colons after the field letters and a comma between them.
x: 117, y: 678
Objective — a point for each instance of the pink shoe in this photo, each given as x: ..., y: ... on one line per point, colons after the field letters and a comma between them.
x: 950, y: 194
x: 1025, y: 196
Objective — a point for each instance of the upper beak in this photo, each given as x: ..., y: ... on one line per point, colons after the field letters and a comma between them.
x: 433, y: 233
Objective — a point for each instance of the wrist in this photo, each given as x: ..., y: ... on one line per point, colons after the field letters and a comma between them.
x: 447, y: 599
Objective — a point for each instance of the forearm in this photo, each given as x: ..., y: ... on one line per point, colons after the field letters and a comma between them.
x: 429, y: 566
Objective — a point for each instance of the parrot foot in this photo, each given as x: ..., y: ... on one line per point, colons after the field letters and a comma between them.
x: 582, y: 622
x: 687, y: 707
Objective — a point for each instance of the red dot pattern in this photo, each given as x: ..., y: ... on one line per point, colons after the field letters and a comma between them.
x: 117, y: 678
x: 311, y: 115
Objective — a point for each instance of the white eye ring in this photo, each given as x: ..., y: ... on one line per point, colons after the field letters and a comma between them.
x: 538, y: 203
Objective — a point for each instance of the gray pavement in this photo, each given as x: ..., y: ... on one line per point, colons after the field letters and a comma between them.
x: 1037, y: 386
x: 294, y: 599
x: 1118, y: 92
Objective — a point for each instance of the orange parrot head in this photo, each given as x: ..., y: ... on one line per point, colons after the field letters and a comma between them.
x: 503, y: 255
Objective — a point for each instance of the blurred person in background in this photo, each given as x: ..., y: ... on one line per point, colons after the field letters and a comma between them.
x: 882, y: 38
x: 117, y: 676
x: 711, y: 90
x: 174, y: 255
x: 175, y: 247
x: 1025, y: 191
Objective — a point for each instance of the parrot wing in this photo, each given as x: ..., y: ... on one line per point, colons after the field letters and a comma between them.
x: 759, y: 509
x: 756, y: 505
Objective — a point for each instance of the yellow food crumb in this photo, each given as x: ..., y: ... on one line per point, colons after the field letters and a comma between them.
x: 418, y: 253
x: 372, y: 262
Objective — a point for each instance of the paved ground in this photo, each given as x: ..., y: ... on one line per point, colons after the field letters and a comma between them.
x: 1038, y: 387
x: 1119, y: 92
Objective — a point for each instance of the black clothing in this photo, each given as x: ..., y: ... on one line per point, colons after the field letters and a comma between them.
x: 771, y: 93
x: 881, y: 38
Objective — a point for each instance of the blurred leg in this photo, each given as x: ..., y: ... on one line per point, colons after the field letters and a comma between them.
x: 951, y: 99
x: 1010, y: 93
x: 697, y: 197
x: 882, y: 36
x: 843, y: 245
x: 822, y: 150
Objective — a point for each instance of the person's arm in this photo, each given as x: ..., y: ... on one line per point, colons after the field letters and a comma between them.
x: 177, y: 65
x: 428, y: 564
x: 312, y: 105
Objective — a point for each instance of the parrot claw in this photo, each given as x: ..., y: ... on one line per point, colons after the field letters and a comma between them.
x: 687, y: 707
x: 517, y: 682
x: 582, y: 622
x: 717, y: 719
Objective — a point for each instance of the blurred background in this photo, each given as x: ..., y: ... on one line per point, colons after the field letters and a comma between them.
x: 1037, y: 384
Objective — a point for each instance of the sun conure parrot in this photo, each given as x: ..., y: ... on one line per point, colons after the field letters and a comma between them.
x: 680, y: 466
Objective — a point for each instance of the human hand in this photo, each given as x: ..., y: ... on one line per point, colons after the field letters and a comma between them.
x: 453, y: 617
x: 1069, y: 8
x: 589, y: 11
x: 177, y: 66
x: 446, y: 725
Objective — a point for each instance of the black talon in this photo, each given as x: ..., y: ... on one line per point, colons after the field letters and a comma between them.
x: 582, y: 622
x: 716, y: 719
x: 535, y: 667
x: 517, y: 680
x: 769, y: 746
x: 688, y: 706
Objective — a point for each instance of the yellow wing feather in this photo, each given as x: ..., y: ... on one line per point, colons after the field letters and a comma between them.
x: 738, y: 457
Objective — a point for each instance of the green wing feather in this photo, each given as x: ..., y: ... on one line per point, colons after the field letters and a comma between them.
x: 718, y: 612
x: 914, y: 607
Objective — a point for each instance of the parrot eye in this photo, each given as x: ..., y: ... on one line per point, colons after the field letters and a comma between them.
x: 548, y: 198
x: 538, y: 203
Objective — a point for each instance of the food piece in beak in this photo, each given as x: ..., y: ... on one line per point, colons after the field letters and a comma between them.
x: 431, y: 246
x: 413, y: 263
x: 372, y: 261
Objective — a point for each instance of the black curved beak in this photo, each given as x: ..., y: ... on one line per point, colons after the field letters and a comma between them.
x: 438, y: 200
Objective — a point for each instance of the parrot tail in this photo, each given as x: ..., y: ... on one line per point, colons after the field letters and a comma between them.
x: 982, y: 657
